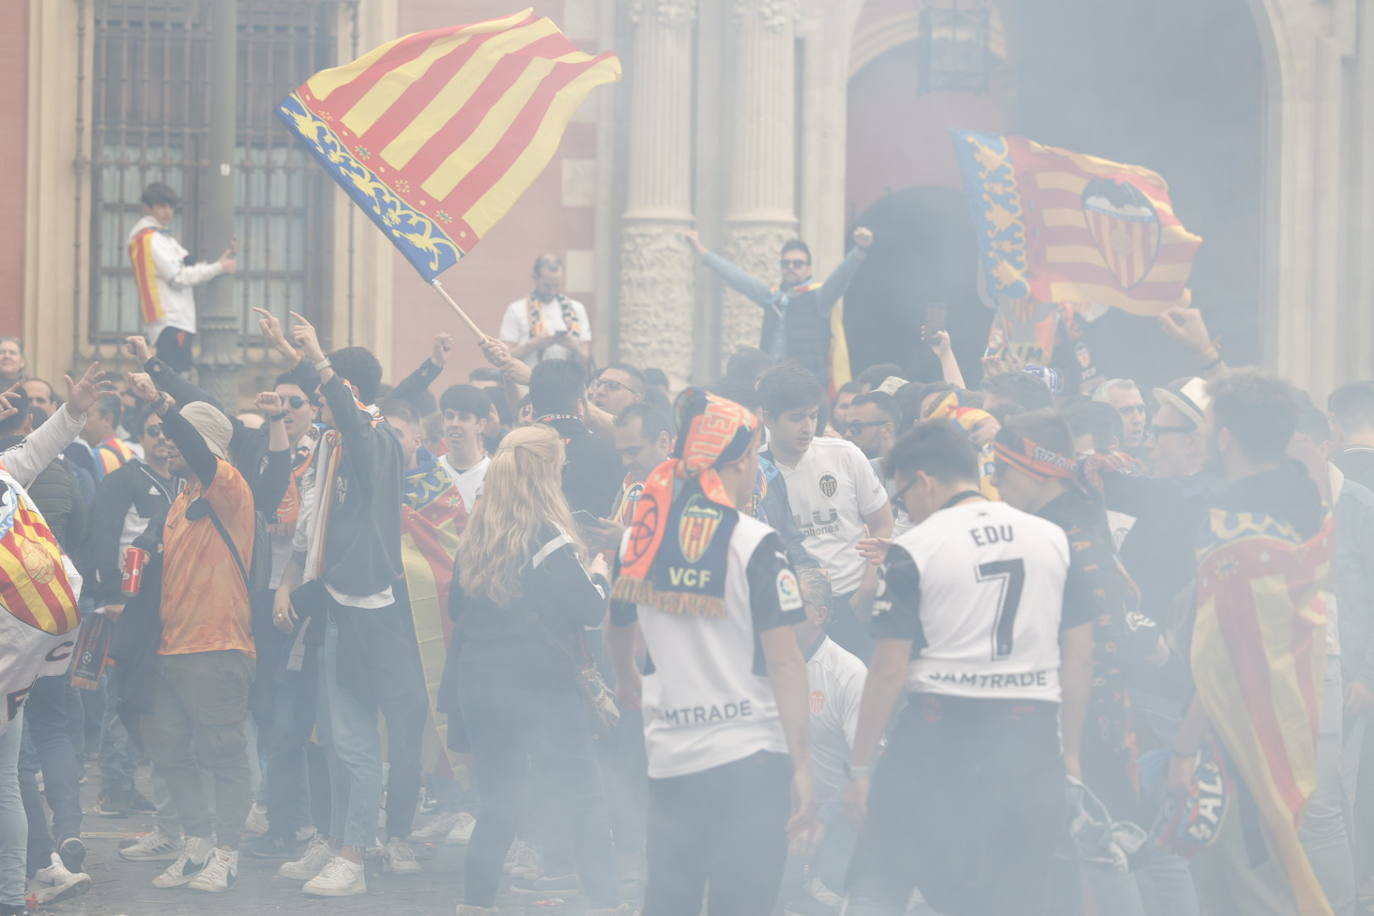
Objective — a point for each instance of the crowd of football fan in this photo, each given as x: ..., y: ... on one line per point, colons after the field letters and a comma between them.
x: 909, y: 647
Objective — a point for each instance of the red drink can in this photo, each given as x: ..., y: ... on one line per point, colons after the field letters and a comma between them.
x: 135, y: 558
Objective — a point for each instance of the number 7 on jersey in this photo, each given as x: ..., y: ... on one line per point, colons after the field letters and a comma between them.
x: 1010, y: 576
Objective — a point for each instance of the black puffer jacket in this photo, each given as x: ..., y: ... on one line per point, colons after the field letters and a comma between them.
x: 58, y: 497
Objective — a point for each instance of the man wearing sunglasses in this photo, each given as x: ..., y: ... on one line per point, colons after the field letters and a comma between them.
x: 796, y: 311
x: 616, y: 388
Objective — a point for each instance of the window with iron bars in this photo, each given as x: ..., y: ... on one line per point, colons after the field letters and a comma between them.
x: 149, y: 121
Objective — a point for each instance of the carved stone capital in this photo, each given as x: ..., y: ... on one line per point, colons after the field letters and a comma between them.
x: 670, y: 14
x: 776, y: 15
x: 657, y: 280
x: 754, y: 247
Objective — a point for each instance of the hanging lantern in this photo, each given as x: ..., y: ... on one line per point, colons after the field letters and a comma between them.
x: 955, y: 50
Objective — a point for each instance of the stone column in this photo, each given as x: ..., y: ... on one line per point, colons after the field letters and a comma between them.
x: 656, y: 264
x: 761, y: 213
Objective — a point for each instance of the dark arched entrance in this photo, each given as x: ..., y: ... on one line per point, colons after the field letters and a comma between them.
x: 1174, y: 85
x: 923, y: 256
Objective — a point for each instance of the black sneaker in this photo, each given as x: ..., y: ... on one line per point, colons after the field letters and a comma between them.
x: 274, y: 846
x: 139, y: 803
x: 73, y: 853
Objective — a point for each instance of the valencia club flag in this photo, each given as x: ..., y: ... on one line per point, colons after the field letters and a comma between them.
x: 437, y: 134
x: 1058, y: 226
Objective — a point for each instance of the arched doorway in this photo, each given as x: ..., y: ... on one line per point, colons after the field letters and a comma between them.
x: 1174, y: 85
x: 923, y: 257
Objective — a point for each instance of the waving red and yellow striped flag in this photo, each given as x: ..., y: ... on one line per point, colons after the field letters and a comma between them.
x: 437, y: 134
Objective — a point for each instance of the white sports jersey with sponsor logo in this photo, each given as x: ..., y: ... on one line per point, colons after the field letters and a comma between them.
x: 707, y: 697
x: 984, y: 590
x: 836, y: 677
x: 830, y: 491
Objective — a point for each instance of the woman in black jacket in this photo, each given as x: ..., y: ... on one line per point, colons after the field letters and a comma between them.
x: 521, y: 599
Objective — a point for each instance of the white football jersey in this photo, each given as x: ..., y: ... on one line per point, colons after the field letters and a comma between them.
x: 830, y: 491
x: 983, y: 589
x: 707, y: 697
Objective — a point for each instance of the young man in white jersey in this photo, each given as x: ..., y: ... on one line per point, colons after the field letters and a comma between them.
x: 982, y: 620
x: 833, y: 492
x: 724, y: 690
x: 466, y: 412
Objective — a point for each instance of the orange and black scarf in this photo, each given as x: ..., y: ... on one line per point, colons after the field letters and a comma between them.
x: 1037, y: 461
x: 676, y: 554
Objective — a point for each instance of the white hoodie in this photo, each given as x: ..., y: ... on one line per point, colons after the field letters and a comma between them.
x: 175, y: 278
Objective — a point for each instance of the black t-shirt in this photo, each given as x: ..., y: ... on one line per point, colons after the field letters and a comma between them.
x: 593, y: 473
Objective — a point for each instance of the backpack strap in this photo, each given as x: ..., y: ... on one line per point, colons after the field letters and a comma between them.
x: 224, y: 533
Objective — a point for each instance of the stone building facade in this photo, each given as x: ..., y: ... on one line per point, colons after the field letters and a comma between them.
x: 755, y: 120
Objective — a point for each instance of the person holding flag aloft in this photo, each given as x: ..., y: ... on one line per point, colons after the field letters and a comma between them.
x: 796, y: 311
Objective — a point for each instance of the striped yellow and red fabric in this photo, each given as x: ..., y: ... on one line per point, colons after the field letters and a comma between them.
x: 1258, y: 659
x: 437, y: 134
x: 145, y: 276
x: 112, y: 454
x: 34, y: 586
x: 431, y: 520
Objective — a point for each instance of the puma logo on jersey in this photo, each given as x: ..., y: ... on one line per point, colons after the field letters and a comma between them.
x: 992, y: 534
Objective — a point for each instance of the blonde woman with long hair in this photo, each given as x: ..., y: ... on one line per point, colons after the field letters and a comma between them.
x: 521, y: 598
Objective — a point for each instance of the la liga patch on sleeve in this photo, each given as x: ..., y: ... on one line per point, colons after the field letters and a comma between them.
x: 789, y: 592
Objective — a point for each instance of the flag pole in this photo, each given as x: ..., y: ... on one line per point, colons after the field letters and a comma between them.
x: 457, y: 308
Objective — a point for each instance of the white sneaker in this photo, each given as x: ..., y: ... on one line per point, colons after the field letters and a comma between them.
x: 220, y: 872
x: 435, y: 830
x: 461, y: 833
x: 256, y: 822
x: 522, y: 861
x: 192, y: 859
x: 56, y: 882
x: 340, y: 878
x: 317, y: 855
x: 398, y: 858
x: 157, y: 846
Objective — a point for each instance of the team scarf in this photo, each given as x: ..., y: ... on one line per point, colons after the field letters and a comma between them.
x: 1036, y: 460
x: 675, y: 556
x: 949, y: 407
x: 289, y: 509
x: 779, y: 297
x: 630, y: 491
x: 328, y: 459
x: 1258, y: 659
x: 534, y: 310
x: 145, y: 275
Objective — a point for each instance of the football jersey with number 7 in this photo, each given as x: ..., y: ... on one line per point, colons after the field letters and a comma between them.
x: 984, y: 590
